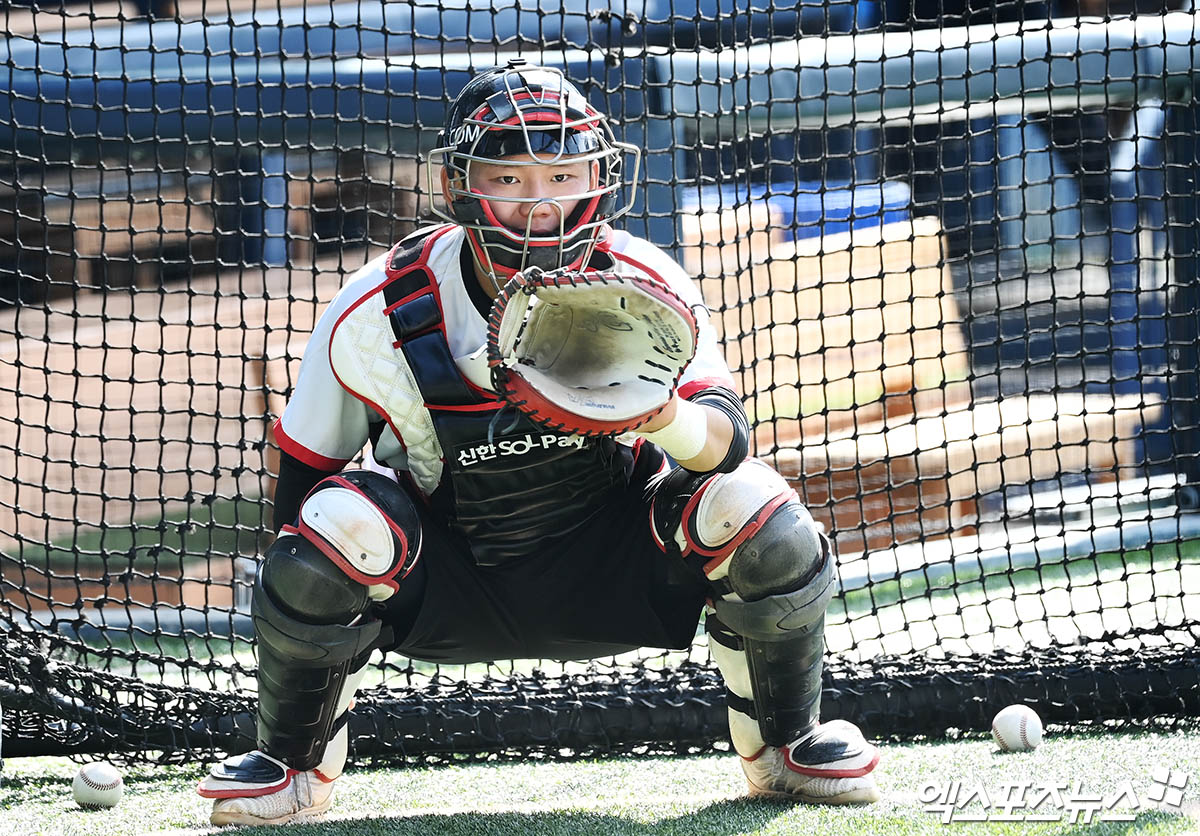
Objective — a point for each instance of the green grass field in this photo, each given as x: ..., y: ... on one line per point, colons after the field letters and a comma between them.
x: 687, y: 796
x: 697, y: 795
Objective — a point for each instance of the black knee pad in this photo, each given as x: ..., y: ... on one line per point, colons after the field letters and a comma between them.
x: 366, y: 524
x: 746, y: 529
x: 307, y: 586
x: 784, y: 555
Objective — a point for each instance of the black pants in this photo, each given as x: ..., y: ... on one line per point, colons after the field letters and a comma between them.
x: 607, y: 591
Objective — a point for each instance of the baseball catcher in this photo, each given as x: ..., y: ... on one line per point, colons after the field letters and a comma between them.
x: 562, y: 470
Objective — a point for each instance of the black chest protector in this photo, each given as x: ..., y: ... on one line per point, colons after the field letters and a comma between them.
x: 510, y: 487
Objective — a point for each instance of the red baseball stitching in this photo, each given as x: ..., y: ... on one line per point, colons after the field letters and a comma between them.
x: 96, y: 786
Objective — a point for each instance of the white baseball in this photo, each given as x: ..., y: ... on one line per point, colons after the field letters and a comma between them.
x: 97, y: 785
x: 1017, y: 728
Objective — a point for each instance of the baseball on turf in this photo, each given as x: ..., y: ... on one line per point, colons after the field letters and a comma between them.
x: 97, y: 785
x: 1017, y: 728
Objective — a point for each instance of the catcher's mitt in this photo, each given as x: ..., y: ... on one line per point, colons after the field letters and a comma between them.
x: 589, y: 353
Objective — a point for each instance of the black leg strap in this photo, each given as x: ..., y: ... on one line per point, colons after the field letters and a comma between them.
x: 741, y: 704
x: 721, y: 634
x: 786, y: 678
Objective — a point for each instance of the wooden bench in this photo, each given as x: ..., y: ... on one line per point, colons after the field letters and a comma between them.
x: 851, y: 352
x: 89, y: 229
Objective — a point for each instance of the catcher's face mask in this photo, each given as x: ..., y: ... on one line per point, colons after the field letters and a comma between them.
x: 527, y: 117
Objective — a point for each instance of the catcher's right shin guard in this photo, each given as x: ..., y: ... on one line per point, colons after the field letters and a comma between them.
x: 357, y: 536
x: 302, y: 607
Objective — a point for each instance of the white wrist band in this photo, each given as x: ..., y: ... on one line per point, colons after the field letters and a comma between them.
x: 684, y: 438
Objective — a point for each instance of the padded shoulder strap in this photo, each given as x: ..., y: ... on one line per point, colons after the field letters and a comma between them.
x: 407, y: 265
x: 414, y: 313
x: 411, y: 247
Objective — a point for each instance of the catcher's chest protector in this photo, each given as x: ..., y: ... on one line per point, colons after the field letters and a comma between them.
x: 515, y: 493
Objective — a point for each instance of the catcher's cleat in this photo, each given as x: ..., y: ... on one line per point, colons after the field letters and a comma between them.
x: 256, y: 789
x: 830, y: 765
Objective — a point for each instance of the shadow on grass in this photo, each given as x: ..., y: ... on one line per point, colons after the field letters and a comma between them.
x: 722, y: 818
x: 716, y: 819
x: 33, y: 789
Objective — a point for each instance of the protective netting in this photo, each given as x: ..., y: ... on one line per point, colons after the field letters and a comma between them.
x: 954, y: 268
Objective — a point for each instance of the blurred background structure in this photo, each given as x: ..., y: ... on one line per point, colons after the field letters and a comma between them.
x: 950, y: 246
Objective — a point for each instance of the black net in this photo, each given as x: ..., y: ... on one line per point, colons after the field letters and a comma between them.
x: 950, y: 247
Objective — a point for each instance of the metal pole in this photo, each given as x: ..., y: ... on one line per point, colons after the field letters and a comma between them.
x: 1182, y: 152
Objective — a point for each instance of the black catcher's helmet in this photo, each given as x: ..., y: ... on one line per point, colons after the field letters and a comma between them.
x: 522, y: 115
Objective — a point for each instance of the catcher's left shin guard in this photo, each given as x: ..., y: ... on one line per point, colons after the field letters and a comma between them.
x: 773, y: 575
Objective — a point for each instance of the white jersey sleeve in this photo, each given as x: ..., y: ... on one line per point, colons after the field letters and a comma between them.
x: 324, y: 425
x: 708, y: 367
